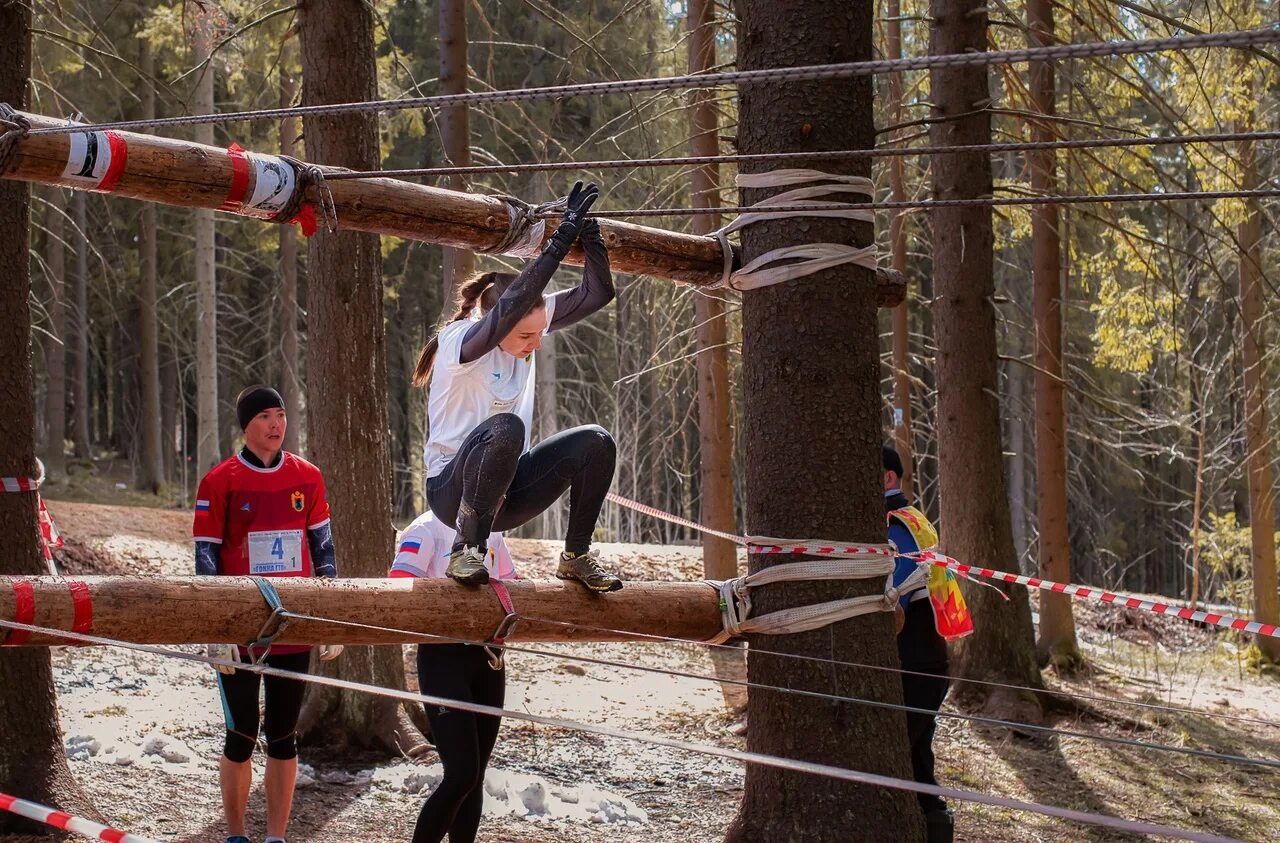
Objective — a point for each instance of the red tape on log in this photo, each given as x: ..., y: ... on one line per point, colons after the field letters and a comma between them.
x: 24, y: 611
x: 82, y: 608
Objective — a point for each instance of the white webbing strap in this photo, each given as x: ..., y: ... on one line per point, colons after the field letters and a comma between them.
x: 735, y: 594
x: 813, y: 257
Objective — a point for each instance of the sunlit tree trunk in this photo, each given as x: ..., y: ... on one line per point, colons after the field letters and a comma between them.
x: 55, y: 402
x: 291, y: 360
x: 455, y: 129
x: 208, y: 450
x: 151, y: 476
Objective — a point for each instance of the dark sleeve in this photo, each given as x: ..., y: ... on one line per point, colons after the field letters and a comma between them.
x: 904, y: 566
x: 521, y: 297
x: 208, y: 558
x: 324, y: 560
x: 595, y: 291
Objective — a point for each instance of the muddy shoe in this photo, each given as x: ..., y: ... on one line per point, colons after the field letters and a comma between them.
x: 586, y: 569
x: 467, y: 566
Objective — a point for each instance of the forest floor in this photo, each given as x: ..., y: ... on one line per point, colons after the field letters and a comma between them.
x: 144, y: 732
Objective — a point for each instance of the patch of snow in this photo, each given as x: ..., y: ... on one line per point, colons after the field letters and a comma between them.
x: 531, y: 797
x: 82, y: 747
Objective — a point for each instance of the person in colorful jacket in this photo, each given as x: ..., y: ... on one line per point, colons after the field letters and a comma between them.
x: 262, y: 512
x: 934, y: 613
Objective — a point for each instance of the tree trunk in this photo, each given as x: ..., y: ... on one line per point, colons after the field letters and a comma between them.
x: 80, y: 314
x: 1253, y: 340
x: 208, y: 449
x: 33, y: 764
x: 811, y: 379
x: 898, y: 260
x: 290, y: 377
x: 347, y: 368
x: 55, y: 403
x: 169, y: 422
x: 715, y: 438
x: 1057, y: 643
x: 151, y: 477
x: 1017, y: 431
x: 974, y: 505
x: 455, y: 130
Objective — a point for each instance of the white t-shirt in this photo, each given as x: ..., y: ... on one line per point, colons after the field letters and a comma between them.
x: 424, y: 546
x: 462, y: 395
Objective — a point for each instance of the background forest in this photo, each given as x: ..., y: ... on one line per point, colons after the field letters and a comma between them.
x: 1153, y: 367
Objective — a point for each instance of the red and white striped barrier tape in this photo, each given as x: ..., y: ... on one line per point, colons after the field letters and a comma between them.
x: 1083, y: 592
x: 23, y: 484
x: 645, y: 509
x: 66, y: 822
x: 19, y: 484
x: 1080, y: 592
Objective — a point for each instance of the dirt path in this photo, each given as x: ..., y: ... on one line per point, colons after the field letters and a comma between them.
x: 145, y: 732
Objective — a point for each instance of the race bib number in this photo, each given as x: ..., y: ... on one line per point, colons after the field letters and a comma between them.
x: 275, y: 552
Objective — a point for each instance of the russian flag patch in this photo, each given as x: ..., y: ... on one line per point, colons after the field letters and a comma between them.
x: 410, y: 546
x: 202, y: 506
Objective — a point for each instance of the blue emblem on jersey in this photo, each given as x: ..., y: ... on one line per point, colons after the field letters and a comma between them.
x: 245, y: 507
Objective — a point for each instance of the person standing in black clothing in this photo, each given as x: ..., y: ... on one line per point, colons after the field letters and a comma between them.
x: 921, y: 648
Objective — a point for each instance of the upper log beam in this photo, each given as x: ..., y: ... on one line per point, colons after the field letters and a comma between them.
x: 192, y: 175
x: 203, y: 610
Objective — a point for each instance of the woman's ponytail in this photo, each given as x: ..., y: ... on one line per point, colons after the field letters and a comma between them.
x: 484, y: 290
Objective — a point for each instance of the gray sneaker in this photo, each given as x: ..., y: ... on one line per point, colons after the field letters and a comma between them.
x: 586, y: 569
x: 467, y: 566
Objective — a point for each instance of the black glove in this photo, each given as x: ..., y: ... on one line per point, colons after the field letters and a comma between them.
x: 579, y: 202
x: 589, y: 231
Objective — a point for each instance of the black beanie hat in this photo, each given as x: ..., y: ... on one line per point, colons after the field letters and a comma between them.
x: 254, y: 400
x: 892, y: 462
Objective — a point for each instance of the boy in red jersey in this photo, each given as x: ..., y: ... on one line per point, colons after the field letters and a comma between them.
x: 262, y: 512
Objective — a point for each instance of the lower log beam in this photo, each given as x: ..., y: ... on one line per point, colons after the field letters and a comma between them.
x: 204, y: 610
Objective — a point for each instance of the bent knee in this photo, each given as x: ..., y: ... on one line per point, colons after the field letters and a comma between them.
x: 506, y: 430
x: 601, y: 440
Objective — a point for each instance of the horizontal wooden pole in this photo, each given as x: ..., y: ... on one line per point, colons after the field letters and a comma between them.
x: 192, y: 175
x: 204, y: 610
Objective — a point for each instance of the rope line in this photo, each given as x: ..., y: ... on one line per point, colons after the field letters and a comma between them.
x: 746, y: 757
x: 926, y: 204
x: 643, y: 636
x: 805, y: 73
x: 765, y: 157
x: 823, y: 695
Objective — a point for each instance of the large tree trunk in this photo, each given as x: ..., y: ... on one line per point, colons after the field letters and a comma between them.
x: 208, y: 449
x: 811, y: 378
x: 347, y: 368
x: 715, y: 438
x: 898, y: 260
x: 290, y: 377
x: 1253, y: 326
x: 151, y: 477
x: 55, y: 401
x: 33, y: 764
x: 1057, y: 643
x: 79, y: 368
x: 455, y: 130
x: 974, y: 505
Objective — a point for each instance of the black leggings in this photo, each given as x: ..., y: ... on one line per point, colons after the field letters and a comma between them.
x: 280, y: 710
x: 921, y: 649
x: 489, y: 485
x: 464, y: 740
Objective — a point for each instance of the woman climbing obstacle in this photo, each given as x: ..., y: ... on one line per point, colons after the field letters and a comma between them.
x: 482, y: 474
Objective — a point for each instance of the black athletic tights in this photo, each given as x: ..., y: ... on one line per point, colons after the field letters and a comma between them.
x: 464, y: 740
x: 922, y: 650
x: 469, y: 493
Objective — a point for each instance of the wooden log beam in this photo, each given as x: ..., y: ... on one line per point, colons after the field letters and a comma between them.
x: 191, y: 175
x: 201, y: 610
